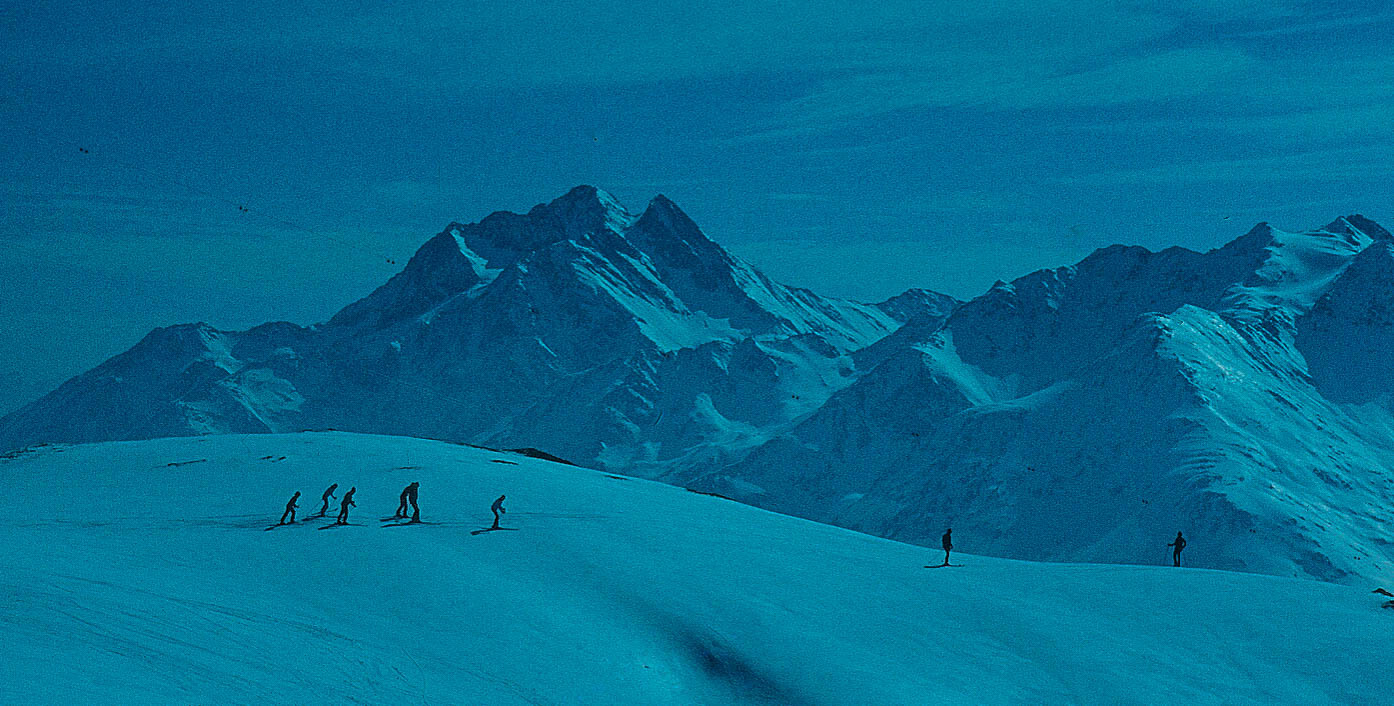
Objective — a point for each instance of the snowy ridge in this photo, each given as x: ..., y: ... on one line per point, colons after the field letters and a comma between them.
x: 498, y: 332
x: 603, y: 590
x: 1086, y: 413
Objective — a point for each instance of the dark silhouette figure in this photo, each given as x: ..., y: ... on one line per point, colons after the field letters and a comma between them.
x: 497, y: 507
x: 948, y: 543
x: 328, y: 495
x: 290, y: 509
x: 408, y: 496
x: 1179, y: 544
x: 344, y: 505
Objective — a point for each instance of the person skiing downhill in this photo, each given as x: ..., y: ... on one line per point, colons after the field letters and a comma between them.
x: 411, y: 497
x: 497, y: 508
x: 1179, y: 543
x: 948, y: 544
x: 344, y: 505
x: 328, y: 495
x: 290, y: 509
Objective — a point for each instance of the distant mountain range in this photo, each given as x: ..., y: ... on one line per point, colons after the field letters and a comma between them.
x: 1244, y: 395
x: 624, y: 341
x: 1087, y: 413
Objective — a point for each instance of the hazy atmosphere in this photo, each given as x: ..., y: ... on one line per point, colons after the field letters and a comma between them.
x: 722, y: 353
x: 242, y: 163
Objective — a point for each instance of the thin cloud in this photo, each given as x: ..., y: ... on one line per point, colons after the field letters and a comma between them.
x: 1325, y: 165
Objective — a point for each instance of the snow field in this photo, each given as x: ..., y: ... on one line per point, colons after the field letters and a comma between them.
x: 125, y: 579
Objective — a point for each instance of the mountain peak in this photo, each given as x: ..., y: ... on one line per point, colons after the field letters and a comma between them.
x: 586, y: 196
x: 1356, y: 224
x: 918, y: 302
x: 663, y: 214
x: 666, y: 233
x: 586, y: 208
x: 1258, y: 238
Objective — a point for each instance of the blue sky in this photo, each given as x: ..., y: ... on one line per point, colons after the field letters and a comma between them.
x: 858, y: 149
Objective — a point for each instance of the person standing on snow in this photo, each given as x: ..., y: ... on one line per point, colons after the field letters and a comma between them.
x: 290, y: 509
x: 948, y: 543
x: 344, y: 505
x: 411, y: 497
x: 497, y: 508
x: 1179, y: 543
x: 328, y: 495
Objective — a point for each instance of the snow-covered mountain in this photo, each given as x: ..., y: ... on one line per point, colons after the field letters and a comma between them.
x: 1087, y: 413
x: 147, y: 578
x: 613, y: 339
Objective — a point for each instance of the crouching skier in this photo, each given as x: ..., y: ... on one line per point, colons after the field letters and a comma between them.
x: 328, y: 495
x: 408, y: 496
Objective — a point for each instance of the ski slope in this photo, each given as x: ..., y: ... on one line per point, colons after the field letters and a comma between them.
x: 139, y: 572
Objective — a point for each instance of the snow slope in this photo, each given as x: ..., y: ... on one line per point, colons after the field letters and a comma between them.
x: 139, y: 572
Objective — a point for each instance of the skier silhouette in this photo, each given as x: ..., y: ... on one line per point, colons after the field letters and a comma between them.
x: 497, y: 507
x: 328, y: 495
x: 344, y: 505
x: 408, y: 496
x: 1179, y: 543
x: 290, y: 509
x: 948, y: 544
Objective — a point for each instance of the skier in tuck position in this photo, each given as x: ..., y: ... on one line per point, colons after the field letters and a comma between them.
x: 948, y: 543
x: 1179, y: 543
x: 290, y: 509
x: 497, y: 508
x: 344, y: 505
x: 328, y: 495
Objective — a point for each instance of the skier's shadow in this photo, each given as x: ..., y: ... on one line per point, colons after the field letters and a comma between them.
x: 484, y: 530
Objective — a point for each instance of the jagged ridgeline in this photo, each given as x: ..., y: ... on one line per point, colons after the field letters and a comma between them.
x: 581, y: 329
x: 1244, y: 395
x: 1089, y: 412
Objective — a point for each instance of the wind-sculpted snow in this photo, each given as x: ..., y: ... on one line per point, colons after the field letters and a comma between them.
x: 142, y: 572
x: 599, y: 335
x: 1087, y: 413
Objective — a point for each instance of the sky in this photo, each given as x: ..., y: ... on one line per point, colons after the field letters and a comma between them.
x: 238, y: 163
